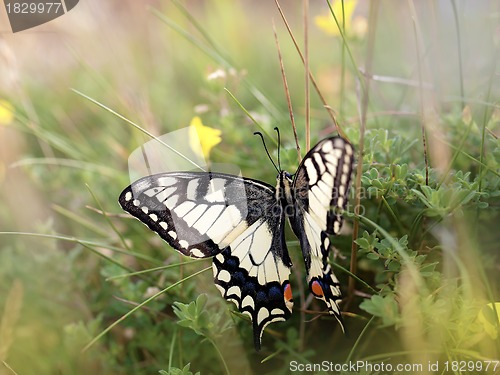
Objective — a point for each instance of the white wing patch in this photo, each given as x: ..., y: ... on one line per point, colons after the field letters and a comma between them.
x: 228, y: 220
x: 313, y: 234
x: 183, y: 208
x: 215, y: 197
x: 207, y: 220
x: 193, y: 216
x: 171, y: 202
x: 192, y: 189
x: 311, y: 170
x: 162, y: 195
x: 167, y: 181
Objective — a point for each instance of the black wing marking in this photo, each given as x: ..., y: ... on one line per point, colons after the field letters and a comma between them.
x: 321, y: 188
x: 237, y: 220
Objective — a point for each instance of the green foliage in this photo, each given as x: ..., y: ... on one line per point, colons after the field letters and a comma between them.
x: 195, y: 316
x: 420, y: 269
x: 384, y: 250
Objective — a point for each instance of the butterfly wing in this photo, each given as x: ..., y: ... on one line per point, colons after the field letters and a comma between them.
x: 196, y: 213
x: 321, y: 188
x: 253, y: 273
x: 237, y: 220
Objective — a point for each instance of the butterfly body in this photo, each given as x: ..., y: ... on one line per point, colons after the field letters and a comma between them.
x: 240, y: 222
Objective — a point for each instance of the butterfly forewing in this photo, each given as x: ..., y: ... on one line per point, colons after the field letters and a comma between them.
x: 321, y: 188
x: 197, y: 213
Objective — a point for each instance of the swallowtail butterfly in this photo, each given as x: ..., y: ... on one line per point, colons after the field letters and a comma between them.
x: 240, y: 222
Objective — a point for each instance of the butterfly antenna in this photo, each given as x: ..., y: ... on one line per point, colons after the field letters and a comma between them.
x: 267, y: 152
x: 279, y: 146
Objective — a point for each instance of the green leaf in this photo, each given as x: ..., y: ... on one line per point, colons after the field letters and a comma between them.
x: 362, y: 243
x: 191, y: 309
x: 482, y: 205
x: 201, y: 301
x: 383, y: 307
x: 394, y: 266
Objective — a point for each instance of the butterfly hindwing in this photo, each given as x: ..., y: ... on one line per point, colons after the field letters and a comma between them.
x: 253, y: 273
x: 321, y: 188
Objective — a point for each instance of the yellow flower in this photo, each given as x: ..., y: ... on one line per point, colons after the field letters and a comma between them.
x: 203, y: 138
x: 356, y: 26
x: 467, y: 115
x: 6, y: 112
x: 490, y: 320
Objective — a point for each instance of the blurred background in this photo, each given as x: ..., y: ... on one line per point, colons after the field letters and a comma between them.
x: 398, y: 69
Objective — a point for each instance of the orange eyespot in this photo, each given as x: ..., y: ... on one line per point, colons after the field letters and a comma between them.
x: 287, y: 293
x: 317, y: 289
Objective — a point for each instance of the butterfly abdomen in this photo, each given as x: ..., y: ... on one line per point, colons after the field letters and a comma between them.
x: 285, y: 193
